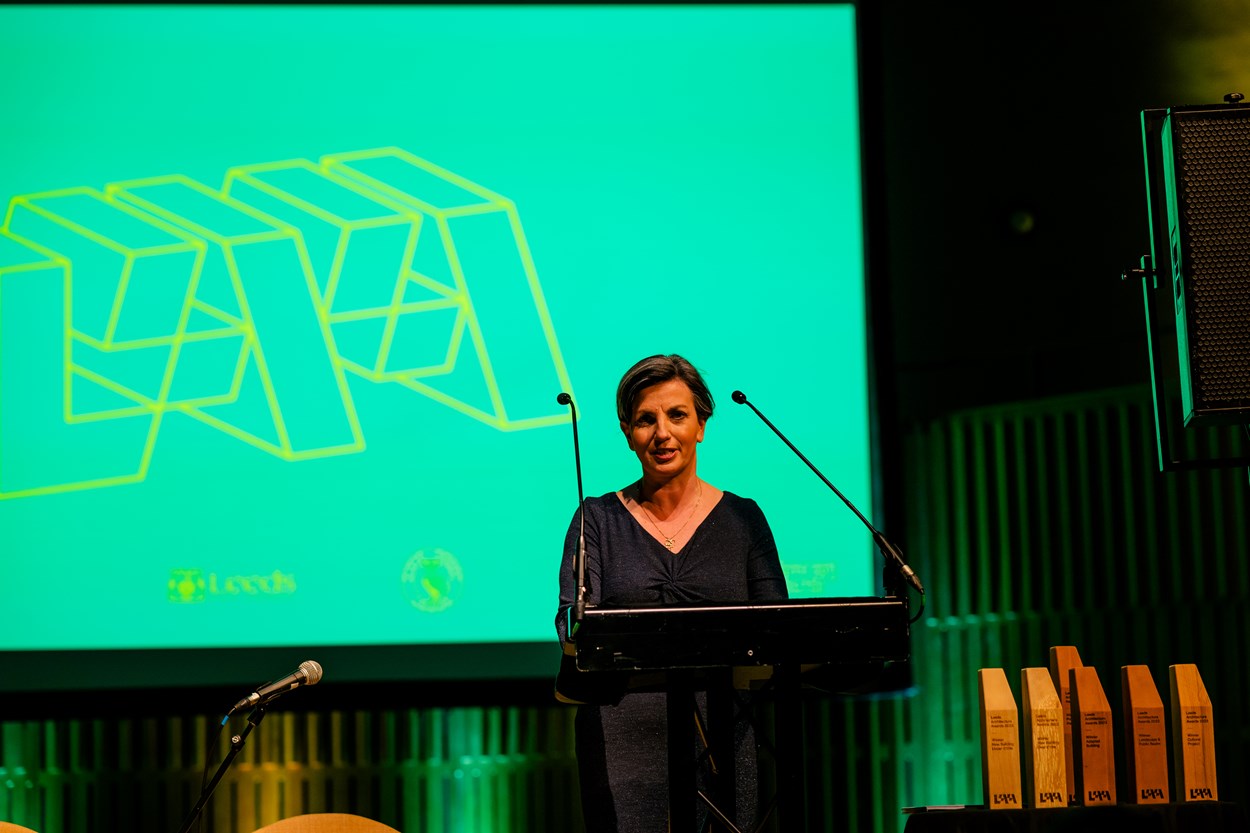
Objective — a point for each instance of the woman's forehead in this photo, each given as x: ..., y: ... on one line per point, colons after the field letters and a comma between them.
x: 665, y: 394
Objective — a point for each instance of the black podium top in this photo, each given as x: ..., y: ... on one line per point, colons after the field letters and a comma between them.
x: 723, y: 634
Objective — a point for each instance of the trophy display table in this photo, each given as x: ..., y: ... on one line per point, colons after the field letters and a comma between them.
x: 1190, y: 817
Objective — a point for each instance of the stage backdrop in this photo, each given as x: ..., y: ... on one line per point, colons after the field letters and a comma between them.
x: 287, y: 295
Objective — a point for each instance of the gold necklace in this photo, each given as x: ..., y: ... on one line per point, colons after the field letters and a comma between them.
x: 668, y: 539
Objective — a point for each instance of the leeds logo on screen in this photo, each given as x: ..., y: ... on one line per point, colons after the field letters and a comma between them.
x: 187, y: 586
x: 248, y: 308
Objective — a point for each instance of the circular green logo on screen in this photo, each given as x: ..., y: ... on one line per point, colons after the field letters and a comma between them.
x: 186, y: 586
x: 432, y: 580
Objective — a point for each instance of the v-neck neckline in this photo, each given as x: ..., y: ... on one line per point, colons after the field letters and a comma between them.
x: 620, y: 499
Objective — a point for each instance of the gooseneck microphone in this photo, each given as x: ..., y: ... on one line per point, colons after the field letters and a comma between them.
x: 579, y: 606
x: 308, y: 673
x: 887, y: 549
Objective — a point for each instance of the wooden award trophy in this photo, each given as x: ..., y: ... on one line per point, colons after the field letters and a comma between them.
x: 1145, y: 737
x: 1193, y: 735
x: 1045, y: 761
x: 1000, y: 741
x: 1093, y: 739
x: 1063, y: 658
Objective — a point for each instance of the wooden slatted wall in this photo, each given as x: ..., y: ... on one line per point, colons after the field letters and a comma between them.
x: 444, y: 770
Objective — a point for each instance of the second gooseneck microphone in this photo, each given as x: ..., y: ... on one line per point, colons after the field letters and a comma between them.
x: 579, y: 605
x: 887, y: 549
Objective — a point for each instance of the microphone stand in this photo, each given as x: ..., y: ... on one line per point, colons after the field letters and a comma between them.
x: 887, y: 549
x: 236, y: 744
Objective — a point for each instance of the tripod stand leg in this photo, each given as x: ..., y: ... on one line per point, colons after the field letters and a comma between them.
x: 236, y: 745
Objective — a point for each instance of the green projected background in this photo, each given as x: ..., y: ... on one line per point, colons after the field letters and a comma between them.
x: 287, y: 295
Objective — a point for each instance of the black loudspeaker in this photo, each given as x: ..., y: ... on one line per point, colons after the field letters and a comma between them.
x: 1206, y: 172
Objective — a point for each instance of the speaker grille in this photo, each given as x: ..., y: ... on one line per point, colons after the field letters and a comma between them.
x: 1212, y: 166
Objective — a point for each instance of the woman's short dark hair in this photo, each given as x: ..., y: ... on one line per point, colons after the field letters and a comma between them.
x: 655, y: 370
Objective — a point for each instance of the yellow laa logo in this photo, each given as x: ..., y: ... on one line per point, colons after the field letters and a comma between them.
x: 255, y: 309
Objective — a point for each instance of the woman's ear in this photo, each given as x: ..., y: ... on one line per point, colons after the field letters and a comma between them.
x: 628, y: 439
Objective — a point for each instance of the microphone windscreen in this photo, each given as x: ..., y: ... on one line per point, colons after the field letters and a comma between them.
x: 312, y: 671
x: 564, y: 398
x: 738, y: 396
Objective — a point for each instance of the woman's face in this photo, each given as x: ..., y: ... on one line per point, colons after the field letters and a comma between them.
x: 665, y: 430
